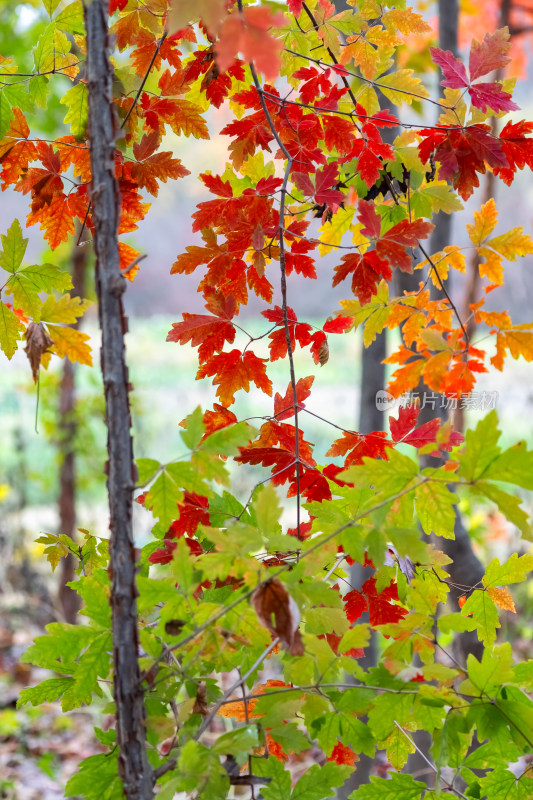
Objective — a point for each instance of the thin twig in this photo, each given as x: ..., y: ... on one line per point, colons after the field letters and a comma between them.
x: 146, y: 74
x: 283, y: 271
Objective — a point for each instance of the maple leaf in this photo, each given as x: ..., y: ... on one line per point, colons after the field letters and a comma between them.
x: 502, y: 598
x: 276, y: 448
x: 56, y: 218
x: 354, y: 605
x: 247, y: 32
x: 218, y: 418
x: 381, y: 608
x: 208, y: 332
x: 233, y: 371
x: 462, y: 154
x: 298, y: 331
x: 44, y: 182
x: 343, y: 754
x: 485, y: 57
x: 235, y: 708
x: 152, y: 166
x: 170, y: 109
x: 367, y: 270
x: 322, y: 191
x: 355, y: 446
x: 16, y: 152
x: 403, y: 429
x: 71, y: 343
x: 517, y: 149
x: 390, y: 246
x: 284, y: 406
x: 278, y: 612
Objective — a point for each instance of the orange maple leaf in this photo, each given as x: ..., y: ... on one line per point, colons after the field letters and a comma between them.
x: 235, y: 708
x: 247, y: 32
x: 502, y: 598
x: 233, y: 371
x: 16, y: 152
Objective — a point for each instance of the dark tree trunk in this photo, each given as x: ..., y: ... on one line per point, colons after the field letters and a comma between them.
x: 134, y: 768
x: 68, y: 598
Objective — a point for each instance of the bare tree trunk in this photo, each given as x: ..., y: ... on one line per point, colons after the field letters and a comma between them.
x: 69, y: 599
x: 134, y: 768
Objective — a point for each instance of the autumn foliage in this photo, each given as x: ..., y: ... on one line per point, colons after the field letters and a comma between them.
x: 229, y: 584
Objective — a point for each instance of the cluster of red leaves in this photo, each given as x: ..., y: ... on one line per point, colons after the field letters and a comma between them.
x: 193, y: 511
x: 237, y: 220
x: 275, y: 447
x: 381, y: 606
x: 354, y: 447
x: 367, y: 269
x: 485, y: 57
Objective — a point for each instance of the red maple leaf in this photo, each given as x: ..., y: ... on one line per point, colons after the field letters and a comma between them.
x: 298, y: 331
x: 517, y: 148
x: 217, y: 418
x: 247, y: 32
x: 390, y: 246
x: 16, y: 152
x: 462, y: 154
x: 366, y: 271
x: 305, y: 530
x: 369, y: 148
x: 354, y: 605
x: 342, y: 754
x: 284, y: 406
x: 403, y: 429
x: 233, y: 371
x: 321, y: 189
x: 117, y: 5
x: 485, y: 57
x: 381, y: 609
x: 152, y: 166
x: 206, y: 331
x: 355, y: 446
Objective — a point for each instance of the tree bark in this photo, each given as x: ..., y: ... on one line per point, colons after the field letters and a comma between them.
x: 134, y: 768
x: 69, y: 599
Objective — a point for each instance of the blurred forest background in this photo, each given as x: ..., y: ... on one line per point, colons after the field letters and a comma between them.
x: 52, y: 445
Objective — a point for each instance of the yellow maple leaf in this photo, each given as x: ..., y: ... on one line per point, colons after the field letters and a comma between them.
x: 402, y: 86
x: 455, y: 107
x: 498, y: 319
x: 492, y: 267
x: 502, y: 598
x: 65, y: 309
x: 406, y: 21
x: 518, y: 341
x: 331, y: 233
x: 368, y: 98
x: 367, y: 57
x: 451, y: 256
x: 512, y: 244
x: 485, y: 221
x: 71, y: 343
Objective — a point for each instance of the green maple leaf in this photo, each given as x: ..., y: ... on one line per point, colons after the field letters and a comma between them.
x: 163, y: 498
x: 435, y: 509
x: 45, y: 692
x: 399, y: 787
x: 485, y: 615
x: 321, y: 781
x: 515, y: 570
x: 13, y: 247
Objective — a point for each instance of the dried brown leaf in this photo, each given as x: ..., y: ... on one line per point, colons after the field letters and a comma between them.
x: 278, y: 612
x: 38, y: 342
